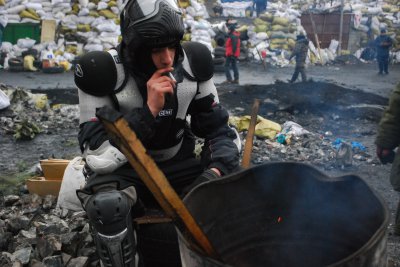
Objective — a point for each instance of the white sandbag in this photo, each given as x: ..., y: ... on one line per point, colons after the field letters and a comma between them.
x: 46, y: 4
x: 109, y: 34
x: 92, y: 6
x: 84, y: 3
x: 16, y: 9
x: 6, y: 47
x: 83, y: 12
x: 13, y: 3
x: 102, y: 5
x: 374, y: 10
x: 363, y: 28
x: 3, y: 21
x: 115, y: 10
x: 109, y: 26
x: 262, y: 35
x: 26, y: 42
x: 85, y: 20
x: 93, y: 47
x: 56, y: 2
x: 28, y: 20
x: 4, y: 100
x: 41, y: 13
x: 73, y: 180
x: 35, y: 6
x: 333, y: 45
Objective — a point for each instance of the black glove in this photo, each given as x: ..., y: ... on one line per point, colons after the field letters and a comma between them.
x: 385, y: 155
x: 206, y: 176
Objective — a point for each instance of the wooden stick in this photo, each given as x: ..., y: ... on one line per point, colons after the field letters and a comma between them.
x: 248, y: 146
x: 316, y: 39
x: 153, y: 177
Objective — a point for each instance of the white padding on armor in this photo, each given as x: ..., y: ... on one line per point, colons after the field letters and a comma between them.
x: 206, y: 88
x: 89, y: 103
x: 120, y: 68
x: 186, y: 65
x: 237, y: 140
x: 105, y: 159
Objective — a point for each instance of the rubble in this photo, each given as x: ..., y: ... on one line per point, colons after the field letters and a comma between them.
x: 30, y: 114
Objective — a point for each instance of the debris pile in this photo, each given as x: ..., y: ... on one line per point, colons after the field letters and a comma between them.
x: 292, y: 142
x: 33, y: 233
x: 30, y: 114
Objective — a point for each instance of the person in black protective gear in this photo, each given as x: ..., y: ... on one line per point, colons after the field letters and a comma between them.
x: 383, y: 44
x: 165, y: 91
x: 300, y: 52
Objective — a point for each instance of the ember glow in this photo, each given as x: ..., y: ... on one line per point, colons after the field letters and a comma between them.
x: 279, y: 219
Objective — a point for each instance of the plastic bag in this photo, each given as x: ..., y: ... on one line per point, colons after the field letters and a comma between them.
x: 73, y: 179
x: 4, y: 100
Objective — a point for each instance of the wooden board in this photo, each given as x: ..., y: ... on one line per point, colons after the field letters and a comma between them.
x: 48, y: 31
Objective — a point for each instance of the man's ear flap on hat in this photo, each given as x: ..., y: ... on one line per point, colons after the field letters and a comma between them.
x: 96, y: 73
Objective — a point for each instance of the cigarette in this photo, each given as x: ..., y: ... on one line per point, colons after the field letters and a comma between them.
x: 171, y: 76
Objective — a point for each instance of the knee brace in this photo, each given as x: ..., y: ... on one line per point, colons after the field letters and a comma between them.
x: 110, y: 218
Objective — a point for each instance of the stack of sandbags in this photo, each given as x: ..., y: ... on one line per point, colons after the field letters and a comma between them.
x: 199, y: 29
x: 236, y: 8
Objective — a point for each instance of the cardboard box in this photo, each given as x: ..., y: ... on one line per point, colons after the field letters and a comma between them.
x: 53, y: 169
x: 43, y: 187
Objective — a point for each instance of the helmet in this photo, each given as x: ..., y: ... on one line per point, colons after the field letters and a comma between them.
x: 151, y: 23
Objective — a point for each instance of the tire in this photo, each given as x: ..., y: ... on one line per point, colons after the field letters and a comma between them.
x: 219, y: 68
x: 219, y: 52
x: 218, y: 61
x: 15, y: 62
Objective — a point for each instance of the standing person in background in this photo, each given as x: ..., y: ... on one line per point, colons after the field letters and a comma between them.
x: 300, y: 52
x: 387, y: 140
x: 261, y: 6
x: 232, y: 52
x: 383, y: 44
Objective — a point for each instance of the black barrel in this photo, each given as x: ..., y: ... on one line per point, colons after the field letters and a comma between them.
x: 288, y: 215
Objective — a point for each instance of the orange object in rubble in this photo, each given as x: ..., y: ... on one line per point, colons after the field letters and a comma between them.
x: 50, y: 183
x: 53, y: 169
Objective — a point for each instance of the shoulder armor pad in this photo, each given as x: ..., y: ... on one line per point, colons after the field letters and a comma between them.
x: 96, y: 73
x: 198, y: 63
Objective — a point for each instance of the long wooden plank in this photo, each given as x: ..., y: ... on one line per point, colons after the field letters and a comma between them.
x: 248, y: 146
x: 153, y: 177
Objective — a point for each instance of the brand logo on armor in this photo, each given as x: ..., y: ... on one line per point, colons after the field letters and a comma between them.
x: 165, y: 113
x: 78, y: 71
x: 116, y: 59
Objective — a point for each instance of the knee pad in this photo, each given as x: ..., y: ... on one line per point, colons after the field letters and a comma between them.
x: 109, y: 215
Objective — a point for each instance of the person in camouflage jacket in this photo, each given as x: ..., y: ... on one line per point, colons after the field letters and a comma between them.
x: 300, y: 52
x: 387, y: 140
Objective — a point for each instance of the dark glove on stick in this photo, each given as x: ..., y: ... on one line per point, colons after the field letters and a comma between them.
x: 385, y: 155
x: 206, y: 176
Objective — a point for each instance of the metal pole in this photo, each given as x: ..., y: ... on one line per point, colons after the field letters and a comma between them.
x: 341, y: 28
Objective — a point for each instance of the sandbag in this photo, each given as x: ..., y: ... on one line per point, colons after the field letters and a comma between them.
x: 4, y: 100
x: 28, y: 63
x: 73, y: 179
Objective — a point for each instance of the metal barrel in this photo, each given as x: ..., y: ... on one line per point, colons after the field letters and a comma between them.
x: 288, y: 214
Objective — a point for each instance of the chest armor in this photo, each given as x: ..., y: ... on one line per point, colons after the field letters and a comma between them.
x: 171, y: 120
